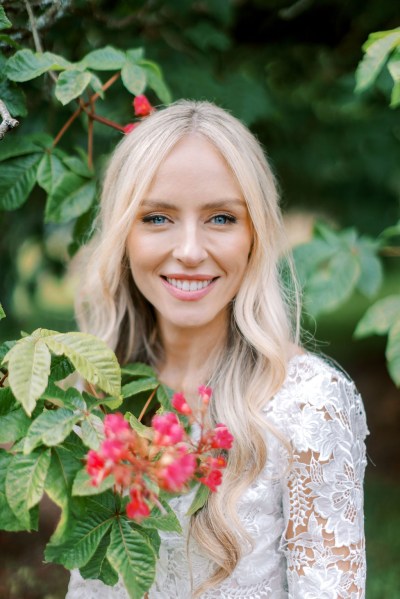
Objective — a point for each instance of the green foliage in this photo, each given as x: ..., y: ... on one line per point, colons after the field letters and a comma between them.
x: 199, y: 499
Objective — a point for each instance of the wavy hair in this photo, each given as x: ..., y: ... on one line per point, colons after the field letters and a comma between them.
x: 264, y: 320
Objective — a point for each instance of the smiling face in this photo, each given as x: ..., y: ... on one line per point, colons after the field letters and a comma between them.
x: 189, y: 243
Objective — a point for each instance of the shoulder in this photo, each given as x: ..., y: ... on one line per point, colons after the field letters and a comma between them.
x: 317, y: 394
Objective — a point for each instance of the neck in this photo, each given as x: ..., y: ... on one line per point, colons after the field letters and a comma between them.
x: 190, y: 354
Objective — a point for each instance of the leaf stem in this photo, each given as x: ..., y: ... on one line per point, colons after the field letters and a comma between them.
x: 3, y: 379
x: 102, y: 119
x: 90, y: 135
x: 391, y: 251
x: 146, y: 405
x: 66, y: 126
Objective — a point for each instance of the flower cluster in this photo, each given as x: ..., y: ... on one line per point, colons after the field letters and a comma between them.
x: 142, y: 108
x: 166, y: 455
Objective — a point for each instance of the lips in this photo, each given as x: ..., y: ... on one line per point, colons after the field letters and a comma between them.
x: 188, y: 287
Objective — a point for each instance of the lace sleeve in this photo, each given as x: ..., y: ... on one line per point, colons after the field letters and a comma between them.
x: 323, y: 494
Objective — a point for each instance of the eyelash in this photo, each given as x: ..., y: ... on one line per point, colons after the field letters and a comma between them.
x: 150, y: 218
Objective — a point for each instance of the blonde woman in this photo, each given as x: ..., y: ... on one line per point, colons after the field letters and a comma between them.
x: 184, y: 275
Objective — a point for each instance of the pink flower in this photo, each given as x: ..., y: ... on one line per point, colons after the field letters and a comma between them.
x: 115, y: 426
x: 95, y: 467
x: 180, y: 404
x: 175, y: 475
x: 113, y: 450
x: 137, y: 508
x: 205, y: 393
x: 212, y: 480
x: 167, y: 429
x: 222, y: 438
x: 142, y: 106
x: 130, y: 127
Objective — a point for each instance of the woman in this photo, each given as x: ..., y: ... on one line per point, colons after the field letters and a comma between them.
x: 185, y: 276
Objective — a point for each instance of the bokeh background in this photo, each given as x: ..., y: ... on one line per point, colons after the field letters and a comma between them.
x: 287, y: 69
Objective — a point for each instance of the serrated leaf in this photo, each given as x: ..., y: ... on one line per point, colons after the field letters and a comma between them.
x: 91, y: 357
x: 5, y: 23
x: 138, y: 369
x: 134, y: 78
x: 164, y: 395
x: 156, y: 81
x: 50, y: 428
x: 71, y: 84
x: 5, y: 348
x: 371, y: 275
x: 7, y: 401
x: 2, y: 313
x: 135, y: 54
x: 83, y: 485
x: 82, y: 542
x: 380, y: 317
x: 18, y: 177
x: 13, y: 97
x: 51, y: 169
x: 138, y: 386
x: 199, y: 500
x: 77, y: 166
x: 25, y: 65
x: 133, y: 557
x: 28, y: 370
x: 83, y: 229
x: 20, y: 146
x: 144, y: 431
x: 98, y: 567
x: 374, y: 59
x: 61, y: 367
x: 333, y: 283
x: 104, y: 59
x: 25, y: 478
x: 71, y: 197
x: 8, y: 520
x: 97, y: 85
x: 166, y: 521
x: 393, y: 352
x: 13, y: 426
x: 92, y: 431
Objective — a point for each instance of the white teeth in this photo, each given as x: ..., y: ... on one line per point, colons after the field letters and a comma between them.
x: 186, y: 285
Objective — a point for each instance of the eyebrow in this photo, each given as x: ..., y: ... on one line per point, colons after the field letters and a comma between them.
x: 208, y: 206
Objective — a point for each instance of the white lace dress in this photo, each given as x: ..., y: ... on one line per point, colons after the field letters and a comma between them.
x: 306, y: 523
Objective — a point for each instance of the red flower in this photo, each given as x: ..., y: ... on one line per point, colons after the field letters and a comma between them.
x: 142, y: 106
x: 212, y: 480
x: 205, y: 393
x: 180, y: 404
x: 167, y: 429
x: 96, y: 467
x: 130, y: 127
x: 113, y: 450
x: 115, y: 426
x: 222, y: 438
x: 175, y: 475
x: 137, y: 508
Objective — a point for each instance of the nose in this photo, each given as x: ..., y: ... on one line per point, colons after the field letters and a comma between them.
x: 189, y: 245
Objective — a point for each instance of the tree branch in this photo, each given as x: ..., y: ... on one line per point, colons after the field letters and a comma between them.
x: 8, y: 122
x: 35, y: 34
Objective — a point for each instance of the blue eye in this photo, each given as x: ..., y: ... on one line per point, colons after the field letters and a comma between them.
x: 223, y: 219
x: 155, y: 219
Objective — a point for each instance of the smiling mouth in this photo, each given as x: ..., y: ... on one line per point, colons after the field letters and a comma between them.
x: 189, y: 285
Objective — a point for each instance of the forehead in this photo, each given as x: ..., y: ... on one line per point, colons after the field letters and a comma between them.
x: 194, y: 165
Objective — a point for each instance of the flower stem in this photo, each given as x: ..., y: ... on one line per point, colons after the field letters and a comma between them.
x: 146, y: 405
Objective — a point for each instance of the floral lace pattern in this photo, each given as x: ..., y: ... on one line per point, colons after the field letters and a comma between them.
x: 306, y: 522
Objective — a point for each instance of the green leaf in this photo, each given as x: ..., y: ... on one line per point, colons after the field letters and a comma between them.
x: 28, y: 367
x: 133, y: 557
x: 8, y: 520
x: 144, y: 431
x: 13, y: 426
x: 71, y: 197
x: 50, y: 171
x: 71, y: 84
x: 309, y: 255
x: 17, y: 146
x: 199, y: 499
x: 166, y: 521
x: 104, y: 59
x: 92, y: 431
x: 371, y: 275
x: 5, y: 23
x: 25, y: 64
x: 82, y: 542
x: 13, y: 97
x: 2, y: 313
x: 395, y: 98
x: 97, y: 85
x: 98, y: 566
x: 7, y: 401
x: 393, y: 352
x: 83, y: 486
x: 164, y: 395
x: 156, y: 81
x: 138, y: 369
x: 91, y: 357
x: 7, y: 39
x: 380, y: 317
x: 18, y: 176
x: 134, y: 78
x: 83, y: 229
x: 77, y: 166
x: 25, y: 478
x: 135, y: 54
x: 374, y: 59
x: 333, y: 283
x: 50, y: 428
x: 61, y: 367
x: 135, y: 387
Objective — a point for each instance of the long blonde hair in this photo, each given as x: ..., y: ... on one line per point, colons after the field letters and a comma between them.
x: 264, y: 316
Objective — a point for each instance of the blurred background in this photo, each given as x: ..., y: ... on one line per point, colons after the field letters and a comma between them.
x: 287, y: 69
